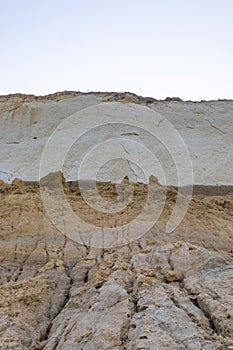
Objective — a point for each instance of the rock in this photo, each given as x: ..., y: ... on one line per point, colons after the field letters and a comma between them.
x: 41, y: 345
x: 173, y: 276
x: 153, y: 180
x: 175, y: 99
x: 53, y: 180
x: 18, y: 182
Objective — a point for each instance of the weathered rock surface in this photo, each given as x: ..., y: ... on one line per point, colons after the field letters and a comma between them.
x: 160, y: 292
x: 27, y: 122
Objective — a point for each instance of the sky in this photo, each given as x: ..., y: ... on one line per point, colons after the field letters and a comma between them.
x: 166, y: 48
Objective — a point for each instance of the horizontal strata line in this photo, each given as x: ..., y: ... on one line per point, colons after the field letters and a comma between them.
x: 204, y: 190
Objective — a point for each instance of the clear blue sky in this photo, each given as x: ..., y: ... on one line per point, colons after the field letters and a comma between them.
x: 153, y: 48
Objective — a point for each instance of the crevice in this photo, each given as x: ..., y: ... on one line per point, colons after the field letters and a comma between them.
x: 102, y: 253
x: 169, y: 260
x: 85, y: 280
x: 133, y: 308
x: 65, y: 302
x: 61, y: 308
x: 215, y: 127
x: 194, y: 300
x: 99, y: 285
x: 87, y: 247
x: 139, y: 245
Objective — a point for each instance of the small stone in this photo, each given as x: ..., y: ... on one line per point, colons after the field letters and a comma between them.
x: 173, y: 276
x: 41, y: 345
x: 59, y: 263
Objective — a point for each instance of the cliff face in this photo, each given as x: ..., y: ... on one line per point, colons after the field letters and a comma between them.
x: 156, y: 291
x: 27, y: 122
x: 159, y: 292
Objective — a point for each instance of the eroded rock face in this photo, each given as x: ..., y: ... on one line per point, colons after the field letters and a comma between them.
x: 27, y: 122
x: 159, y: 292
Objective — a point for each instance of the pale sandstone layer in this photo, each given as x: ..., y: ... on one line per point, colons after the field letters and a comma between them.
x: 163, y: 291
x: 27, y: 122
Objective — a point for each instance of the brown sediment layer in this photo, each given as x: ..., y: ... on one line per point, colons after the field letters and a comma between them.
x: 166, y: 291
x: 202, y: 190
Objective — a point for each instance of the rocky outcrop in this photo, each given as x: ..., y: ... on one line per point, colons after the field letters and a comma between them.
x: 159, y: 292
